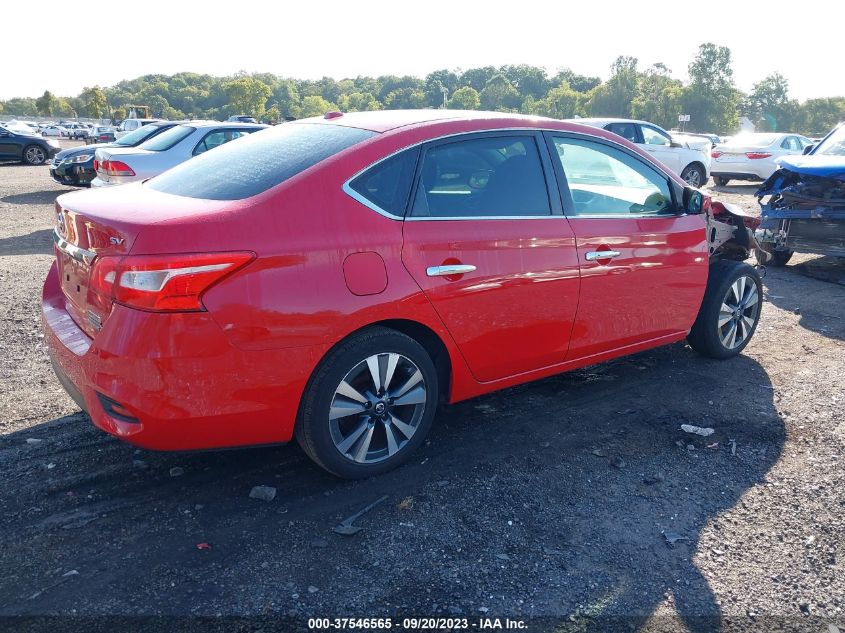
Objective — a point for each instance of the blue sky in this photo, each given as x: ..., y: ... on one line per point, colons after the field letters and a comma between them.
x: 368, y: 37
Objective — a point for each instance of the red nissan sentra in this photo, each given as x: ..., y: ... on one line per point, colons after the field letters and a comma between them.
x: 334, y: 279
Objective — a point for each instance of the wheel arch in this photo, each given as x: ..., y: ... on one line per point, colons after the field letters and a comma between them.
x: 697, y: 163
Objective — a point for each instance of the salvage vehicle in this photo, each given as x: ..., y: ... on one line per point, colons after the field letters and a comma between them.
x: 754, y: 155
x: 803, y: 203
x: 687, y: 156
x: 75, y: 166
x: 121, y: 165
x: 334, y: 279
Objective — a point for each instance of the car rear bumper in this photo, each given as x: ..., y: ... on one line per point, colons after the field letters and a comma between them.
x: 742, y: 171
x: 173, y: 381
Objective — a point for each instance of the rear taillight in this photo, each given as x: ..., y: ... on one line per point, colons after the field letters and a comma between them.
x: 96, y: 164
x: 715, y: 153
x: 162, y: 283
x: 117, y: 168
x: 756, y: 155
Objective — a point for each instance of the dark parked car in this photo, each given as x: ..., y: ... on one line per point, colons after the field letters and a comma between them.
x: 27, y: 147
x: 75, y: 166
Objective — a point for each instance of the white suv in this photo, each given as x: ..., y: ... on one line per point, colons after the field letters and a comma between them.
x: 130, y: 125
x: 689, y: 158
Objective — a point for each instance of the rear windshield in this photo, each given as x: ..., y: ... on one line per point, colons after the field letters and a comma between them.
x: 138, y: 136
x: 257, y: 162
x: 753, y: 140
x: 168, y: 139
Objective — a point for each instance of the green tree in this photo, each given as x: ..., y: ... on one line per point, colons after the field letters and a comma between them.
x: 18, y: 106
x: 273, y: 114
x: 616, y: 95
x: 247, y: 95
x: 315, y: 105
x: 286, y: 97
x: 404, y: 98
x: 47, y: 103
x: 434, y: 84
x: 561, y: 102
x: 768, y: 104
x: 358, y: 102
x: 528, y: 80
x: 711, y: 99
x: 158, y: 105
x: 477, y: 78
x: 118, y: 114
x: 820, y: 115
x: 499, y: 94
x: 94, y: 102
x: 465, y: 98
x: 658, y: 97
x: 579, y: 83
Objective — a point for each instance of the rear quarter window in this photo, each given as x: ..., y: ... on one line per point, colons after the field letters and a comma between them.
x: 258, y: 162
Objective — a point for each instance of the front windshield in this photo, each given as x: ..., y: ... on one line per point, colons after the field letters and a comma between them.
x: 833, y: 145
x: 168, y: 139
x: 138, y: 136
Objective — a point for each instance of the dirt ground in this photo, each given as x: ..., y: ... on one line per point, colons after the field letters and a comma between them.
x: 575, y: 503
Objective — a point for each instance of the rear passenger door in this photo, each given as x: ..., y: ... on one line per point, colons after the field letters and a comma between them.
x: 643, y: 264
x: 492, y: 251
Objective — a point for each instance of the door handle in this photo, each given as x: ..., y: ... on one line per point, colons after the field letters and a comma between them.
x: 445, y: 271
x: 595, y: 255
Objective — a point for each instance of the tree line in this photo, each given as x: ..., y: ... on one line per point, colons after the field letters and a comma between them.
x: 710, y: 96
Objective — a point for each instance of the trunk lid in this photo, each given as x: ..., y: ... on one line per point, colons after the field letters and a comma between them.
x: 95, y: 224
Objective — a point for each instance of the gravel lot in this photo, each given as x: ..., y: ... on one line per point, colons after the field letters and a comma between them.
x: 552, y: 502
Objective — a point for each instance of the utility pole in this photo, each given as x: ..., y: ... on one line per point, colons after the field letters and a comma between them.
x: 445, y: 92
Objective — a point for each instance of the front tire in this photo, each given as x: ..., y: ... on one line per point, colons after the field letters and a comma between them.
x: 776, y: 258
x: 369, y: 404
x: 693, y: 175
x: 730, y: 310
x: 34, y: 155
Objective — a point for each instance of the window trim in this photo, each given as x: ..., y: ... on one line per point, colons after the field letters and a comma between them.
x: 566, y: 193
x: 562, y: 204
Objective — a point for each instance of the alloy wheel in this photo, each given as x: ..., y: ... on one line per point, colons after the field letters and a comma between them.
x: 738, y: 313
x: 693, y: 178
x: 377, y: 408
x: 35, y: 155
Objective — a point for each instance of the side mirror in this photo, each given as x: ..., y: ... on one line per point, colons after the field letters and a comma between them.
x: 676, y: 144
x: 693, y: 201
x: 808, y: 149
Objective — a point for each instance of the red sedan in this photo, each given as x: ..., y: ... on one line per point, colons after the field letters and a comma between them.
x: 334, y: 279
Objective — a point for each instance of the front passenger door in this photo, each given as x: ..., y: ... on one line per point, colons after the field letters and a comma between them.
x: 492, y: 252
x: 659, y: 145
x: 643, y: 265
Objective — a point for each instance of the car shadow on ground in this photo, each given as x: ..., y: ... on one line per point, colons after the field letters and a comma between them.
x: 578, y: 495
x: 823, y: 294
x: 35, y: 243
x: 47, y: 196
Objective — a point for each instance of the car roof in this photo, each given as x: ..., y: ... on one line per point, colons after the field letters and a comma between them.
x: 386, y: 120
x: 604, y: 121
x: 205, y: 123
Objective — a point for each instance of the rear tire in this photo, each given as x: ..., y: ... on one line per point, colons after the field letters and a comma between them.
x: 369, y: 404
x: 34, y: 155
x: 721, y: 181
x: 730, y: 311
